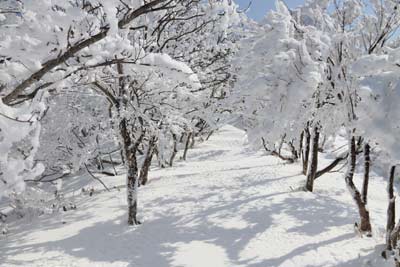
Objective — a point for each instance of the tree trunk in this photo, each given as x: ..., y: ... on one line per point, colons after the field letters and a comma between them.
x: 132, y: 187
x: 301, y: 145
x: 209, y: 135
x: 391, y: 211
x: 132, y: 175
x: 312, y: 169
x: 174, y: 151
x: 306, y: 153
x: 187, y: 144
x: 192, y: 141
x: 394, y: 237
x: 144, y: 171
x: 367, y: 163
x: 281, y: 144
x: 293, y: 150
x: 322, y: 145
x: 365, y: 224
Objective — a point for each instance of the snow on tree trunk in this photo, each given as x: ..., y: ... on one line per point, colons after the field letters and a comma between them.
x: 313, y: 163
x: 132, y: 187
x: 394, y: 237
x: 132, y: 175
x: 365, y: 224
x: 306, y: 153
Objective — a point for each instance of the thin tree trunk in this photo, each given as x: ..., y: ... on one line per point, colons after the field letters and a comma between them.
x: 144, y: 171
x: 187, y: 144
x: 391, y: 211
x: 113, y: 164
x: 209, y: 135
x: 365, y: 224
x: 306, y: 153
x: 367, y: 163
x: 313, y: 166
x: 192, y: 141
x: 174, y: 151
x: 281, y: 144
x: 121, y: 153
x: 301, y: 145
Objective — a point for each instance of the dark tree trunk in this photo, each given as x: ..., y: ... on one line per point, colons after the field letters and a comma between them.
x: 187, y: 144
x: 132, y: 187
x: 121, y: 153
x: 209, y: 135
x: 391, y: 211
x: 281, y: 144
x: 301, y: 145
x: 174, y: 151
x: 295, y: 154
x: 365, y: 224
x: 394, y: 238
x: 312, y: 171
x: 367, y: 163
x: 144, y: 171
x: 306, y: 153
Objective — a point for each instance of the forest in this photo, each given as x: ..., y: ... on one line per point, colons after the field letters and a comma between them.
x: 184, y: 133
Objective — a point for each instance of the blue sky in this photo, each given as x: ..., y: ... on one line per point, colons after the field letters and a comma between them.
x: 259, y: 8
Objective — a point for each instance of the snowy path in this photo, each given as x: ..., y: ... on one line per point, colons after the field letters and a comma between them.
x: 225, y: 207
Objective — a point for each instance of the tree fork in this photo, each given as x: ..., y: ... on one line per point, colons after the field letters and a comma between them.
x: 144, y: 171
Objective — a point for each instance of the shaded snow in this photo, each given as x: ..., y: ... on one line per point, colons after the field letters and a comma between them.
x: 225, y: 207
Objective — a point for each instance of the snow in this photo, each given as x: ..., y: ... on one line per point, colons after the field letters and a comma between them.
x: 181, y: 71
x: 227, y: 206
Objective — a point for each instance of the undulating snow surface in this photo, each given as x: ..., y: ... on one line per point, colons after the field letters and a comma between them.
x: 226, y: 207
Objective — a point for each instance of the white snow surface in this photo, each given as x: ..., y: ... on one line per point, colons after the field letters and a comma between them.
x: 225, y: 207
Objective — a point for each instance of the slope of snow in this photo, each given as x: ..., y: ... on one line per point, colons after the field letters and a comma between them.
x: 225, y: 207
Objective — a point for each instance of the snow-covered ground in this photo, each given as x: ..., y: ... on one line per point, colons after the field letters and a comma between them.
x: 226, y: 207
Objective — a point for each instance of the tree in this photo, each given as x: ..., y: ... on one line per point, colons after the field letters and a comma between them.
x: 276, y: 63
x: 115, y: 49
